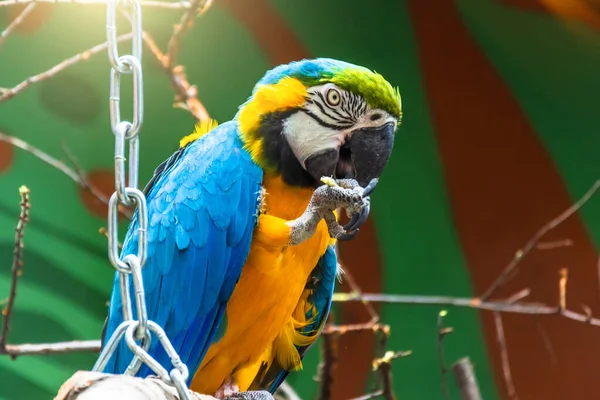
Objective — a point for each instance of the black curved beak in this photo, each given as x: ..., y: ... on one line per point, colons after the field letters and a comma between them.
x: 370, y: 150
x: 363, y: 157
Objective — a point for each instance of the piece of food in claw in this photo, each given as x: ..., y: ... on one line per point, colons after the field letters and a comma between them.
x: 329, y: 181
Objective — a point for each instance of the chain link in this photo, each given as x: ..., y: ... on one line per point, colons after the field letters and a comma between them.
x: 137, y: 332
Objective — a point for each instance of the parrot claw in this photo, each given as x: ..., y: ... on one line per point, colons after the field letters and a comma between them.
x: 351, y: 229
x: 359, y: 218
x: 370, y: 187
x: 334, y: 194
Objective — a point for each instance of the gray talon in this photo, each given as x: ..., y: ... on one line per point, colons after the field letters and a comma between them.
x: 370, y: 187
x: 353, y: 221
x: 358, y: 219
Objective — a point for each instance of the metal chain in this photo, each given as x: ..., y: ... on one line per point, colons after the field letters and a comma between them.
x: 136, y: 332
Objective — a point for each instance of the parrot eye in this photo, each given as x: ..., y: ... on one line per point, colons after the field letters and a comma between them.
x: 333, y: 97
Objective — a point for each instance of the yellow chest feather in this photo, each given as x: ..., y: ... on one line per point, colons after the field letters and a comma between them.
x: 267, y: 295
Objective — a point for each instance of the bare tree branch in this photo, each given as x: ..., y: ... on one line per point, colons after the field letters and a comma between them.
x: 16, y: 22
x: 6, y: 94
x: 557, y: 244
x: 562, y: 290
x: 75, y: 346
x: 510, y: 386
x: 368, y: 396
x: 186, y: 94
x: 327, y: 366
x: 77, y: 176
x: 17, y: 265
x: 501, y: 306
x: 384, y: 366
x: 197, y: 7
x: 176, y: 5
x: 532, y: 243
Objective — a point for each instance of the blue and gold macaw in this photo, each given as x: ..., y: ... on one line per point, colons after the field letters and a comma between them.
x: 242, y: 228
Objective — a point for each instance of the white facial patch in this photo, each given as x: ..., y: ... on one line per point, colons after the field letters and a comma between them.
x: 306, y: 137
x: 327, y: 119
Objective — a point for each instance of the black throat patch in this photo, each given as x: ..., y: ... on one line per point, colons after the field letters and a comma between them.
x: 278, y: 153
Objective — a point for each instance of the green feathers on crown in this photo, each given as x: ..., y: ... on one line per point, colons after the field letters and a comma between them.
x: 373, y: 87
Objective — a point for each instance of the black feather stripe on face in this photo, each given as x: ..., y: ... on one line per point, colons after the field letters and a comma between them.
x: 321, y: 122
x: 321, y: 102
x: 277, y: 152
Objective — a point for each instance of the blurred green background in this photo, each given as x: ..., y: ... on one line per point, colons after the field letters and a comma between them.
x: 67, y: 278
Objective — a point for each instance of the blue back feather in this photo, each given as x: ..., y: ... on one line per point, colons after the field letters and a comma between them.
x: 202, y: 206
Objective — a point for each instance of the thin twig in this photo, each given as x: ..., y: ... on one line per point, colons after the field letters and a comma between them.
x: 501, y: 306
x: 384, y: 366
x: 384, y: 332
x: 557, y: 244
x: 197, y: 7
x: 546, y: 340
x: 520, y: 295
x: 356, y: 288
x: 17, y: 265
x: 104, y: 232
x: 441, y: 333
x: 186, y: 94
x: 176, y: 5
x: 16, y: 22
x: 562, y: 289
x: 368, y: 396
x: 500, y: 337
x: 88, y: 186
x: 45, y: 157
x: 75, y: 346
x: 6, y: 94
x: 77, y: 176
x: 327, y: 366
x: 464, y: 374
x: 343, y: 329
x: 532, y: 243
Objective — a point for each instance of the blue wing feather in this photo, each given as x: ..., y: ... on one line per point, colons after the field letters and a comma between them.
x: 202, y: 205
x: 322, y: 283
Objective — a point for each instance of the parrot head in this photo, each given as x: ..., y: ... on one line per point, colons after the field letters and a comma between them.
x: 321, y: 117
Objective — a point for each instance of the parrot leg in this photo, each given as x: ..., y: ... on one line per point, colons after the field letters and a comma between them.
x: 345, y: 193
x: 228, y: 389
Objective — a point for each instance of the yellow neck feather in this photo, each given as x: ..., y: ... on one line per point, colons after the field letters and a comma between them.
x: 202, y: 128
x: 286, y: 94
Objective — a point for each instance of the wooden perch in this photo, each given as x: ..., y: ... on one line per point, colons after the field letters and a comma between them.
x: 85, y: 385
x: 465, y: 379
